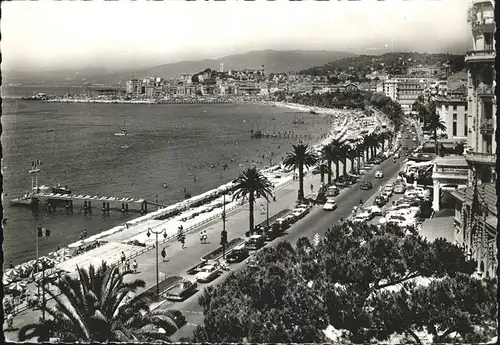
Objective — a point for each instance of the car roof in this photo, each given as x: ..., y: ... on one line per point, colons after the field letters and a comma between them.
x: 208, y: 267
x: 255, y: 236
x: 239, y: 247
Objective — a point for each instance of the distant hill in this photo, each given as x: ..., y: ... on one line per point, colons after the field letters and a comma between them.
x: 392, y: 63
x: 273, y: 60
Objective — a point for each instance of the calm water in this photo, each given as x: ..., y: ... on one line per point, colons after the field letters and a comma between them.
x: 167, y: 144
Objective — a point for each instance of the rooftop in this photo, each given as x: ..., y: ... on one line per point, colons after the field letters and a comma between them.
x: 487, y: 192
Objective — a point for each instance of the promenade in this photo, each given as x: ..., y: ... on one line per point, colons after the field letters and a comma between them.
x: 179, y: 260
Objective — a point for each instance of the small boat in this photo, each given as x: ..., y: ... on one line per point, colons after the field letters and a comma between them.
x: 312, y: 112
x: 22, y: 200
x: 122, y: 133
x: 34, y: 171
x: 124, y: 146
x: 61, y: 190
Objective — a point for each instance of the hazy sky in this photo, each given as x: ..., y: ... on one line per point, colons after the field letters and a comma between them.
x: 50, y: 34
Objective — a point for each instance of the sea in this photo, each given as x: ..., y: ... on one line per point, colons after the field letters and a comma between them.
x: 183, y: 146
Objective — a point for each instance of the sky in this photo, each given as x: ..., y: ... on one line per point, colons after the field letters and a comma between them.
x: 48, y: 35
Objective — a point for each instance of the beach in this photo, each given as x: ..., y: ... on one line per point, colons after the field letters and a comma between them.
x: 77, y: 145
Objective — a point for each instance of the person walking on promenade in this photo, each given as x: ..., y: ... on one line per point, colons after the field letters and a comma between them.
x: 127, y: 265
x: 163, y: 254
x: 10, y: 322
x: 134, y: 265
x: 202, y: 236
x: 205, y: 236
x: 85, y: 233
x: 123, y: 258
x: 312, y: 187
x: 183, y: 239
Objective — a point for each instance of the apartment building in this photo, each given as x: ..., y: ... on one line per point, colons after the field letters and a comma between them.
x: 408, y: 92
x: 133, y: 87
x: 391, y: 89
x: 481, y: 98
x: 476, y: 220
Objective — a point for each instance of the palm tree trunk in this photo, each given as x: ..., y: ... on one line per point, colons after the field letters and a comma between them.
x: 337, y: 169
x: 367, y: 154
x: 250, y: 203
x: 352, y: 165
x: 322, y: 172
x: 344, y: 163
x: 329, y: 172
x: 301, y: 182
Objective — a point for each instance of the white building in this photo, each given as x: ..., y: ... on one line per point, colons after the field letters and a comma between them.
x: 391, y: 89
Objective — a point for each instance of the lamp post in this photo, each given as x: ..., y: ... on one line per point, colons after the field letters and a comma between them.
x: 223, y: 238
x: 267, y: 213
x: 157, y: 275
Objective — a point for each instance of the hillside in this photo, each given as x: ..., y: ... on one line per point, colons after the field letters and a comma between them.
x: 392, y: 63
x: 274, y: 61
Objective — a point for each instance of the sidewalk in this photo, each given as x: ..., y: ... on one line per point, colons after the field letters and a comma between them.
x: 178, y: 259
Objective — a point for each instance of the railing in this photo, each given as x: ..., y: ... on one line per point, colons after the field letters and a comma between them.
x: 486, y: 126
x: 480, y: 55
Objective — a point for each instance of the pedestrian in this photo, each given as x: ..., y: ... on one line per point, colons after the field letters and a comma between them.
x: 11, y: 265
x: 202, y: 236
x: 123, y: 258
x: 134, y: 265
x: 183, y: 239
x: 85, y: 233
x: 163, y: 254
x: 205, y: 236
x: 10, y: 322
x: 312, y: 187
x: 360, y: 202
x: 128, y: 265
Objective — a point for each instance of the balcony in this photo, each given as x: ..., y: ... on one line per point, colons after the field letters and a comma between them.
x: 483, y: 25
x: 480, y: 56
x: 484, y: 90
x: 486, y: 126
x: 481, y: 158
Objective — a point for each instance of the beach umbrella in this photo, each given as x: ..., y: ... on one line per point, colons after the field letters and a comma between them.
x: 7, y: 280
x: 63, y: 251
x: 19, y: 287
x: 76, y: 244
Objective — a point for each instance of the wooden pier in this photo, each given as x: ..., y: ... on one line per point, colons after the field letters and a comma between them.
x: 89, y: 201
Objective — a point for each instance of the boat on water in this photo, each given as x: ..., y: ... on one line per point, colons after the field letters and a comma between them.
x: 312, y: 112
x: 122, y: 133
x: 34, y: 170
x: 53, y: 189
x: 22, y: 200
x: 124, y: 146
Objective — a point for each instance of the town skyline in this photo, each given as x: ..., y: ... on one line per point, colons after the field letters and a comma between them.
x: 50, y: 36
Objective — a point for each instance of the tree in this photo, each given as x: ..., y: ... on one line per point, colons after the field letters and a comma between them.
x: 328, y: 154
x: 99, y: 306
x: 352, y: 153
x: 251, y: 182
x: 343, y: 155
x: 359, y: 278
x: 434, y: 123
x: 301, y: 156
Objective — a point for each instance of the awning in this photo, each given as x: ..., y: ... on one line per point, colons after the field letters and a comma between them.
x: 492, y: 221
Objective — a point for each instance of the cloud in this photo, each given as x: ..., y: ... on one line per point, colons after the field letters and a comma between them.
x: 136, y: 34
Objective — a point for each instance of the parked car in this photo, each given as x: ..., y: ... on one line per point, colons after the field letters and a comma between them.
x: 376, y: 160
x: 255, y: 242
x: 207, y: 273
x: 380, y: 200
x: 397, y: 155
x: 238, y: 254
x: 399, y: 188
x: 362, y: 217
x: 366, y: 185
x: 332, y: 191
x: 181, y: 290
x: 299, y: 213
x: 375, y: 211
x: 379, y: 174
x: 330, y: 205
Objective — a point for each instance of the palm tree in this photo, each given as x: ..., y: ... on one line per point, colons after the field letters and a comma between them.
x: 366, y: 146
x: 434, y: 123
x: 382, y: 137
x: 343, y: 155
x: 251, y: 182
x: 99, y: 306
x: 352, y: 154
x: 301, y: 156
x: 328, y: 155
x: 374, y: 144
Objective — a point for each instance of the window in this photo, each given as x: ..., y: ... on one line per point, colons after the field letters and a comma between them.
x: 454, y: 125
x: 455, y: 107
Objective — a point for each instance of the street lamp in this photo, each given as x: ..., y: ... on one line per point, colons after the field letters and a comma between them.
x: 223, y: 236
x: 165, y: 236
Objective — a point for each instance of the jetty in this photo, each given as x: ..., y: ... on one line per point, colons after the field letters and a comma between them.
x: 54, y: 199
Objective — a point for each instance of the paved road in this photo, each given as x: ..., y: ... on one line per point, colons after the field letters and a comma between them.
x: 317, y: 221
x: 179, y: 259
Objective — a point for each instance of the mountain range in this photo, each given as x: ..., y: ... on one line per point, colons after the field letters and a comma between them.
x: 274, y: 62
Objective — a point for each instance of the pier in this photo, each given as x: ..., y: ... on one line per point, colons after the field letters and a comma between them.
x: 107, y: 202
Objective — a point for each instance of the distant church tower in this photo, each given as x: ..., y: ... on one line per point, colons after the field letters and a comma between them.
x: 222, y: 67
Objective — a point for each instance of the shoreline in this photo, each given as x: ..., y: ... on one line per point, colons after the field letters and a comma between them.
x: 178, y: 210
x: 286, y: 105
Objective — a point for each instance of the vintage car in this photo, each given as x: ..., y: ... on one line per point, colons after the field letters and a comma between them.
x: 238, y: 254
x: 208, y: 273
x: 181, y: 290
